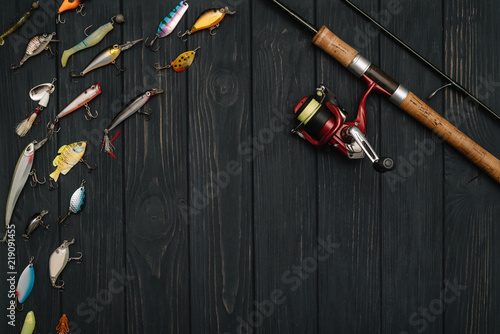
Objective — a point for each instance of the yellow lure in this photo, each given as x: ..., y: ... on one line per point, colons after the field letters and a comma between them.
x: 68, y: 156
x: 29, y: 323
x: 209, y: 19
x: 181, y: 63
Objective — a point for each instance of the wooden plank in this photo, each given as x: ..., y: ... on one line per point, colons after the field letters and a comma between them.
x: 472, y: 209
x: 220, y: 188
x: 412, y: 203
x: 153, y: 157
x: 349, y: 192
x: 285, y: 174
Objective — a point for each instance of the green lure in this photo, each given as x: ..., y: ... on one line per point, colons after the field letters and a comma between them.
x: 92, y: 39
x: 29, y: 323
x: 19, y: 23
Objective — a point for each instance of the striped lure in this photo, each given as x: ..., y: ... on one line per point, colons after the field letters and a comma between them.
x: 169, y: 23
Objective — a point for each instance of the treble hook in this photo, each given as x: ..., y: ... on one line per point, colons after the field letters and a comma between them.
x: 158, y: 68
x: 72, y: 76
x: 34, y: 179
x: 85, y: 31
x: 90, y: 168
x: 212, y: 29
x: 146, y: 113
x: 58, y: 19
x: 150, y: 45
x: 184, y: 39
x: 60, y: 221
x: 119, y: 69
x: 52, y: 54
x: 89, y: 115
x: 14, y: 67
x: 79, y: 259
x: 51, y: 184
x: 79, y: 10
x: 437, y: 90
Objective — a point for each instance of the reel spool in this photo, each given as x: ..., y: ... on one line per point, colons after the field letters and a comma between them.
x: 322, y: 121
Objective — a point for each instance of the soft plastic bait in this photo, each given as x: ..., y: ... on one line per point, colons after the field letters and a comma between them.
x: 20, y: 22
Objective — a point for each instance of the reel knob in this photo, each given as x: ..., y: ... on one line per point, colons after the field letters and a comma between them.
x: 384, y: 164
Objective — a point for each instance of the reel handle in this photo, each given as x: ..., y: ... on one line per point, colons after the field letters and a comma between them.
x: 382, y: 164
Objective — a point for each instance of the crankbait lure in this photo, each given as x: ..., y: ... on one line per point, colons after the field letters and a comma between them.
x: 39, y: 93
x: 169, y: 23
x: 181, y: 63
x: 20, y: 22
x: 21, y: 174
x: 35, y: 46
x: 76, y: 203
x: 209, y: 19
x: 81, y: 101
x: 92, y: 39
x: 25, y: 284
x: 33, y: 223
x: 58, y: 261
x: 106, y: 57
x: 69, y: 5
x: 29, y: 323
x: 62, y: 327
x: 68, y: 156
x: 133, y: 106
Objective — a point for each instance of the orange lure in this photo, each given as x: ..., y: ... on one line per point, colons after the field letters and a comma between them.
x: 209, y: 19
x: 63, y: 328
x: 69, y: 5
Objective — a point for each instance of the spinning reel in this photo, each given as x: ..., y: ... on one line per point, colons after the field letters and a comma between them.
x: 323, y: 122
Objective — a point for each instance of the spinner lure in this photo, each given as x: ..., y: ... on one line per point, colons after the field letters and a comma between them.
x: 76, y: 203
x: 25, y: 284
x: 181, y: 63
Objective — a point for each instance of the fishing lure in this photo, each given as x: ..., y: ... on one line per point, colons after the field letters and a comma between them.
x: 209, y: 19
x: 69, y: 5
x: 33, y: 223
x: 20, y: 22
x: 35, y: 46
x: 169, y: 23
x: 92, y: 39
x: 39, y: 93
x: 76, y: 203
x: 133, y: 106
x: 25, y: 284
x: 106, y: 57
x: 29, y: 323
x: 21, y: 174
x: 81, y: 101
x: 58, y: 261
x: 68, y: 156
x: 181, y: 63
x: 62, y: 327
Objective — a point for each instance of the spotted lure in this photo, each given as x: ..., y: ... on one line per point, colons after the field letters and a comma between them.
x: 76, y: 203
x: 92, y: 39
x: 209, y: 19
x: 181, y: 63
x: 169, y: 23
x: 20, y: 22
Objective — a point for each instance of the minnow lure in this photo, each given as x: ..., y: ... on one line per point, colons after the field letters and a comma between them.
x: 62, y: 327
x: 35, y: 46
x: 133, y: 106
x: 58, y: 261
x: 81, y: 101
x: 76, y: 203
x: 20, y: 22
x: 25, y: 284
x: 209, y: 19
x: 29, y: 323
x: 106, y: 57
x: 181, y: 63
x: 68, y: 156
x: 69, y: 5
x: 169, y: 23
x: 92, y: 39
x: 33, y: 223
x: 39, y: 93
x: 21, y: 174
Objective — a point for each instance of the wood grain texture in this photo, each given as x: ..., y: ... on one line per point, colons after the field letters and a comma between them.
x: 249, y: 255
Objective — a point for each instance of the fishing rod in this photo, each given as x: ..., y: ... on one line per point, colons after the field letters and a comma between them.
x: 451, y: 82
x: 350, y: 58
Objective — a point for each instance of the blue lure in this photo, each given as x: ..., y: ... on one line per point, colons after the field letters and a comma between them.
x: 76, y: 203
x: 25, y: 284
x: 169, y: 23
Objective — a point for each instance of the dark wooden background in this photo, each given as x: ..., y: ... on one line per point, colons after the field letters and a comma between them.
x: 159, y: 257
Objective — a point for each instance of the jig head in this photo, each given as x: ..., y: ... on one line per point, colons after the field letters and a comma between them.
x: 58, y: 261
x: 69, y: 5
x: 181, y: 63
x: 92, y: 39
x: 169, y: 23
x: 106, y: 57
x: 25, y: 284
x: 323, y: 121
x: 40, y: 93
x: 33, y: 223
x: 76, y: 203
x: 209, y: 19
x: 133, y: 106
x: 20, y: 22
x: 35, y: 46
